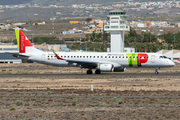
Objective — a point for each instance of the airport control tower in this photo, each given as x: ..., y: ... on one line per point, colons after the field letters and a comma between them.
x: 117, y: 25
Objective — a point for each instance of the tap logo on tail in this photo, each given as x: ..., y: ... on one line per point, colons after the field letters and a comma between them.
x: 22, y: 41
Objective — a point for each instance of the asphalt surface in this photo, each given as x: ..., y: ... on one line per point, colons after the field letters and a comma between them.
x: 92, y: 75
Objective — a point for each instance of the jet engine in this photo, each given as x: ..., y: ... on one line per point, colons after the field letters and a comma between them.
x: 121, y: 69
x: 106, y: 67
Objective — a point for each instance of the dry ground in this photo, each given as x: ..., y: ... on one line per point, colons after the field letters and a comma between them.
x: 149, y: 97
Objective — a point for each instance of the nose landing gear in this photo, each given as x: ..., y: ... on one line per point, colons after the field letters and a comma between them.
x: 156, y: 70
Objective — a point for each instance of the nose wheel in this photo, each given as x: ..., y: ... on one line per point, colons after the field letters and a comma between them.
x: 156, y: 70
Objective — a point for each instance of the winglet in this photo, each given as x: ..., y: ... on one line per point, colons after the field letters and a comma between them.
x: 57, y: 56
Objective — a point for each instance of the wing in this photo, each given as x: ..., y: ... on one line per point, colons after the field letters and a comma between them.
x: 87, y: 64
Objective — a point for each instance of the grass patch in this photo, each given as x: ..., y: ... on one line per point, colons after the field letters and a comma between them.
x: 114, y: 99
x: 48, y: 93
x: 9, y: 90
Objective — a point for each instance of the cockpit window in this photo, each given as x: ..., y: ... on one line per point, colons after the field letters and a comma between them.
x: 162, y: 57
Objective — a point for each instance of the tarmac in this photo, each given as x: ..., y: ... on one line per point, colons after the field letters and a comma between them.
x: 93, y: 75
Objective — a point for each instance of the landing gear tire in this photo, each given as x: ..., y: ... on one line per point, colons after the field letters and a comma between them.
x: 89, y: 72
x: 156, y: 72
x: 98, y: 72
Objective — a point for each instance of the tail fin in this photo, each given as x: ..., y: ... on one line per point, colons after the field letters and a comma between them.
x: 24, y: 44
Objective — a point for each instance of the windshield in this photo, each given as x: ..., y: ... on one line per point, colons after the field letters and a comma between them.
x: 163, y: 57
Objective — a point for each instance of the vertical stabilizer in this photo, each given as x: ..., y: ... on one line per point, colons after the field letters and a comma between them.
x: 24, y: 44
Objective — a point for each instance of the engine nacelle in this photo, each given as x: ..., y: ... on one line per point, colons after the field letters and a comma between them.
x: 106, y: 67
x: 121, y: 69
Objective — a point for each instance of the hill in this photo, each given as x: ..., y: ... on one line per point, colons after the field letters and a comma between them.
x: 66, y: 2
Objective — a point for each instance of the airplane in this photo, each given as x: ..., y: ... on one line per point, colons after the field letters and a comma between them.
x: 101, y: 61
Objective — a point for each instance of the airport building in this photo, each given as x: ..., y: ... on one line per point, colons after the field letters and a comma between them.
x: 171, y: 54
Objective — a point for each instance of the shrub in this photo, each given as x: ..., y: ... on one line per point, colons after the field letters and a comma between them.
x: 26, y: 119
x: 121, y: 101
x: 109, y: 105
x: 97, y: 102
x: 167, y: 102
x: 12, y: 108
x: 48, y: 93
x: 40, y: 115
x: 101, y: 98
x: 0, y: 101
x: 17, y: 102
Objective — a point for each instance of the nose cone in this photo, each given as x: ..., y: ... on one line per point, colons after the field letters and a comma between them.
x: 171, y: 63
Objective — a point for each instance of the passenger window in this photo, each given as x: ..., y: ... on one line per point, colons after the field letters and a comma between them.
x: 90, y: 56
x: 97, y: 56
x: 48, y: 56
x: 64, y: 56
x: 94, y: 57
x: 74, y: 56
x: 87, y: 56
x: 101, y: 56
x: 83, y: 56
x: 112, y: 56
x: 109, y: 56
x: 105, y: 56
x: 116, y: 56
x: 51, y: 56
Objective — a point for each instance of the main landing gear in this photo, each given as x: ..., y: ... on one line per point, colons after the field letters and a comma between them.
x: 89, y: 72
x: 96, y: 72
x: 156, y: 70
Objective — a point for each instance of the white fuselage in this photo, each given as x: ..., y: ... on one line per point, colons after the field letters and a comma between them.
x: 117, y: 59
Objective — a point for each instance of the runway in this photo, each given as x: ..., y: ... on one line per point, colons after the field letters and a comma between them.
x: 93, y: 75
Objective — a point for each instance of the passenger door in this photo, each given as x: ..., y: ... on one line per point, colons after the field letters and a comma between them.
x: 152, y: 58
x: 43, y: 57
